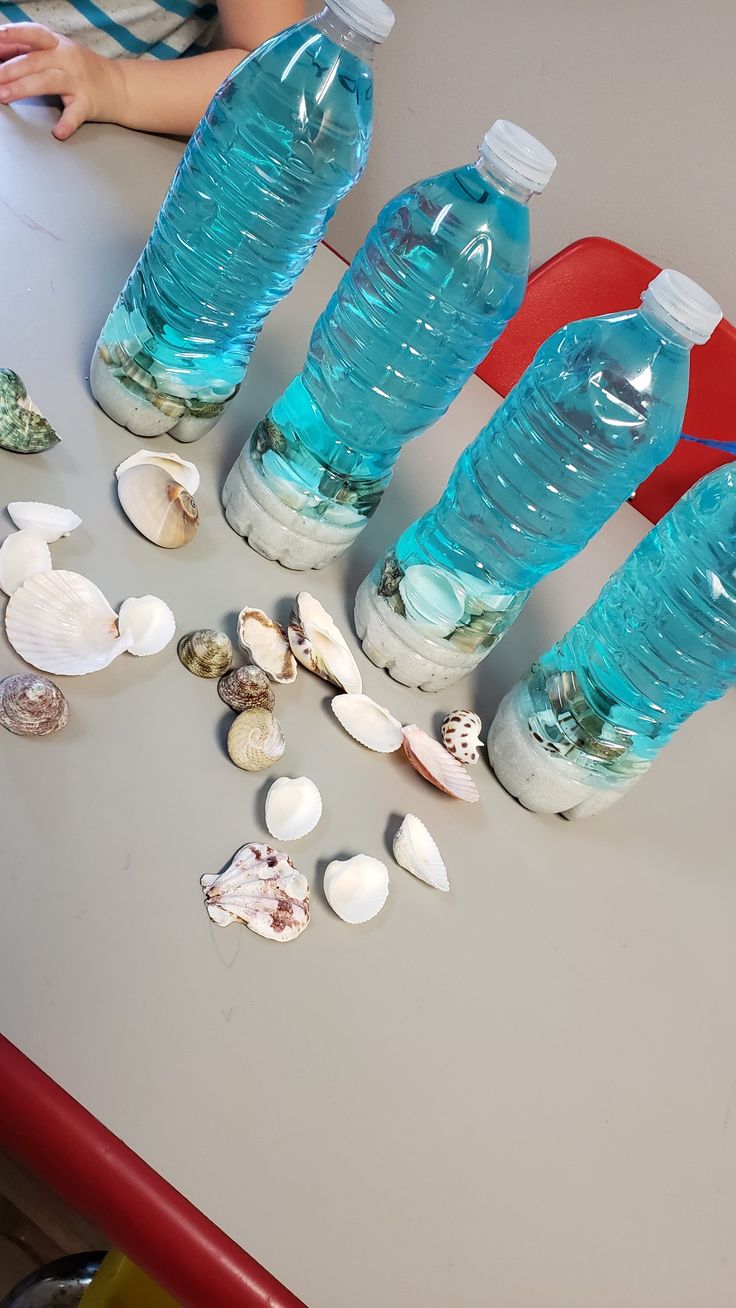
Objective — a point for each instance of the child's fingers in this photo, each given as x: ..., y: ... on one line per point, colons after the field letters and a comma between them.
x: 12, y: 51
x: 50, y: 82
x: 71, y: 119
x: 25, y: 66
x: 34, y: 35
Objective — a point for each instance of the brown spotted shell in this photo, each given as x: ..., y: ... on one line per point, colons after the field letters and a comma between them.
x: 245, y: 688
x: 461, y: 735
x: 206, y: 652
x: 262, y: 889
x: 31, y: 705
x: 255, y: 740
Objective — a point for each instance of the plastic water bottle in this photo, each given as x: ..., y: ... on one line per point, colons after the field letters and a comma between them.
x: 285, y: 137
x: 598, y: 408
x: 440, y: 274
x: 659, y: 642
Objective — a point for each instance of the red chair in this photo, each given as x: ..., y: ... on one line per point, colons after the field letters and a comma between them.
x: 594, y: 276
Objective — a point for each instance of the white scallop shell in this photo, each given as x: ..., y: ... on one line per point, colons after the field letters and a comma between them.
x: 356, y: 888
x: 293, y: 808
x: 180, y: 469
x: 368, y: 723
x: 265, y: 643
x: 416, y: 850
x: 262, y: 889
x: 60, y: 622
x: 433, y: 762
x: 461, y: 735
x: 320, y: 646
x: 148, y: 624
x: 23, y: 554
x: 47, y: 520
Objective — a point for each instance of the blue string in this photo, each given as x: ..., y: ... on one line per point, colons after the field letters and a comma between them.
x: 728, y: 447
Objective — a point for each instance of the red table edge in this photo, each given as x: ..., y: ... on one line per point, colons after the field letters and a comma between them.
x: 144, y: 1216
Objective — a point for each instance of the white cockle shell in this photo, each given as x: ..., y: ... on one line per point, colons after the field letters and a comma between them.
x: 47, y: 520
x: 23, y: 554
x: 293, y: 808
x: 433, y: 762
x: 368, y: 722
x: 262, y: 889
x: 461, y: 735
x: 265, y: 643
x: 148, y: 624
x: 180, y: 469
x: 61, y: 622
x: 356, y: 888
x: 416, y: 850
x: 320, y: 646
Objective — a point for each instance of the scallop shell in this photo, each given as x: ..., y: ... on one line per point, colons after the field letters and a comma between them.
x: 23, y: 554
x: 416, y: 850
x: 368, y: 723
x: 461, y: 735
x: 262, y: 889
x: 158, y: 506
x: 147, y: 623
x: 46, y: 520
x: 60, y: 622
x: 206, y: 653
x: 356, y: 888
x: 245, y: 688
x: 180, y: 469
x: 319, y: 645
x: 265, y: 643
x: 255, y: 740
x: 293, y: 808
x: 23, y: 427
x: 433, y: 762
x: 31, y: 705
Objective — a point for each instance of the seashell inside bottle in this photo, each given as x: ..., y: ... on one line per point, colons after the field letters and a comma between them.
x: 31, y: 705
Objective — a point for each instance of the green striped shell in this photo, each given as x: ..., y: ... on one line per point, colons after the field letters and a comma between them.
x: 23, y: 428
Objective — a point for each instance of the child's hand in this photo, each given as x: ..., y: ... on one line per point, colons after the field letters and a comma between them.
x: 35, y: 61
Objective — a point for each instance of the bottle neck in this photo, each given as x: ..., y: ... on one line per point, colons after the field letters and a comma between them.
x: 343, y: 35
x: 499, y: 181
x: 665, y: 327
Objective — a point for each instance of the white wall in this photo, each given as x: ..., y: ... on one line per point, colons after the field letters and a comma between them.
x: 637, y: 98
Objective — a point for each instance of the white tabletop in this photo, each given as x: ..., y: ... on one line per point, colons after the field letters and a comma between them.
x: 521, y: 1093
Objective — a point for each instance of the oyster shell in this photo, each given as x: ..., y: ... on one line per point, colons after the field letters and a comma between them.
x: 180, y: 469
x: 265, y: 643
x: 206, y: 652
x: 23, y: 427
x: 415, y: 849
x: 255, y: 740
x: 293, y: 808
x: 23, y: 554
x: 46, y: 520
x: 433, y: 762
x: 368, y: 723
x: 319, y: 645
x: 158, y: 506
x: 61, y: 622
x: 147, y: 623
x: 262, y: 889
x: 245, y: 688
x: 356, y: 888
x: 461, y: 735
x: 31, y: 705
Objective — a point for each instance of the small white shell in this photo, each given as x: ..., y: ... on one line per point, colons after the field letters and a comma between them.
x: 433, y: 762
x: 262, y: 889
x: 293, y: 808
x: 461, y: 735
x: 23, y: 554
x: 148, y: 624
x: 265, y: 643
x: 47, y: 520
x: 61, y: 622
x: 415, y: 849
x: 320, y: 646
x: 180, y: 469
x: 356, y: 888
x: 368, y: 723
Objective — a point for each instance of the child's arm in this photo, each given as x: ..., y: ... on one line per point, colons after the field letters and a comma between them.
x: 148, y: 94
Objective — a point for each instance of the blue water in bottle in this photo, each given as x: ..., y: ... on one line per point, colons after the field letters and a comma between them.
x: 285, y: 137
x: 439, y: 276
x: 659, y: 642
x: 599, y: 407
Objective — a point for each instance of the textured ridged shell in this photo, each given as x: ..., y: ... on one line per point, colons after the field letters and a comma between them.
x: 293, y: 808
x: 206, y: 652
x: 320, y: 646
x: 265, y: 643
x: 262, y: 889
x: 461, y: 735
x: 47, y: 520
x: 432, y: 761
x: 245, y: 688
x: 23, y: 428
x: 356, y: 888
x: 368, y: 723
x: 415, y: 849
x: 23, y: 554
x: 31, y: 705
x: 158, y: 506
x: 61, y: 622
x: 255, y: 740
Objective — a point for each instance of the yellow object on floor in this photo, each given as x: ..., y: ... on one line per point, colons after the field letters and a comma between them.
x: 120, y: 1284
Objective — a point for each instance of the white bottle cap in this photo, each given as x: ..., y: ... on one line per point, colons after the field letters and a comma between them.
x: 690, y: 310
x: 518, y: 155
x: 372, y: 18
